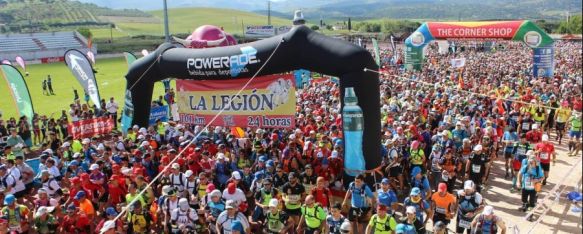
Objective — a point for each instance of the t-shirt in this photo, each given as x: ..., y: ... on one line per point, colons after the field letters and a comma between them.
x: 224, y: 220
x: 382, y: 225
x: 181, y: 217
x: 238, y: 196
x: 546, y: 151
x: 313, y: 216
x: 292, y: 195
x: 442, y: 204
x: 130, y: 198
x: 563, y: 114
x: 357, y: 200
x: 386, y: 198
x: 87, y: 207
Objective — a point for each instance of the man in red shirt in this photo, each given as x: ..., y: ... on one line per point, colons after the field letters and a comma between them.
x: 75, y: 222
x: 544, y: 150
x: 116, y: 192
x: 534, y: 136
x: 321, y: 193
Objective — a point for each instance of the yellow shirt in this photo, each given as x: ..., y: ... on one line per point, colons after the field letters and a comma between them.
x: 563, y: 114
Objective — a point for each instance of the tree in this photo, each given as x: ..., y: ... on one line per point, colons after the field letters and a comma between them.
x: 349, y: 25
x: 329, y: 27
x: 315, y: 27
x: 573, y: 26
x: 85, y: 32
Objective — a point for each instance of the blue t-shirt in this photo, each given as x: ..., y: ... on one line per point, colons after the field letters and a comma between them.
x: 529, y: 174
x: 420, y: 207
x: 422, y: 184
x: 458, y: 137
x: 510, y: 136
x: 359, y: 194
x: 386, y: 198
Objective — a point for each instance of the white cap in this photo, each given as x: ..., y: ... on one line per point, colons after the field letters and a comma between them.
x: 175, y: 166
x: 469, y: 184
x: 145, y: 143
x: 44, y: 210
x: 126, y: 171
x: 76, y: 155
x: 231, y: 204
x: 183, y: 203
x: 94, y: 167
x: 535, y: 126
x: 530, y: 153
x: 334, y: 154
x: 188, y: 173
x: 166, y: 189
x: 135, y: 127
x: 86, y: 141
x: 411, y: 210
x: 258, y: 131
x: 346, y: 226
x: 141, y: 137
x: 477, y: 147
x: 143, y: 131
x: 545, y: 137
x: 220, y: 156
x: 66, y: 144
x: 292, y: 136
x: 108, y: 225
x: 49, y: 151
x: 101, y: 147
x: 236, y: 175
x: 216, y: 193
x: 273, y: 202
x: 488, y: 210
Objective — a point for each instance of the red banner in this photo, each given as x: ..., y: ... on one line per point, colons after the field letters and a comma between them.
x: 267, y: 102
x: 52, y: 59
x: 499, y: 30
x: 90, y: 127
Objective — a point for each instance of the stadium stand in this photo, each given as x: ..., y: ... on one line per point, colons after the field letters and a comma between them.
x: 45, y: 47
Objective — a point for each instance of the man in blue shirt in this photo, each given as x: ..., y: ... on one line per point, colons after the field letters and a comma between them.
x: 509, y: 139
x: 421, y: 182
x: 386, y: 195
x: 361, y: 199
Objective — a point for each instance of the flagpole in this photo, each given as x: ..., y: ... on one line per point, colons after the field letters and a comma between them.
x: 166, y: 30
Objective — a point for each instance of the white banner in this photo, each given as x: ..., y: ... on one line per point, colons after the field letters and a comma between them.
x: 259, y: 31
x: 459, y: 62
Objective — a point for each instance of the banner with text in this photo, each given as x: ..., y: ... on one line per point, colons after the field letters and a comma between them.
x: 259, y: 31
x: 267, y: 102
x: 158, y: 113
x: 90, y: 127
x: 543, y: 61
x: 19, y: 90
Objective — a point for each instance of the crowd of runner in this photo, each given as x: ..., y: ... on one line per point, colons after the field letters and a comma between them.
x: 440, y: 137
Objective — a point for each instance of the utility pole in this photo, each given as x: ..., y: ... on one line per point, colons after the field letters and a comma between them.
x: 268, y: 12
x: 166, y: 30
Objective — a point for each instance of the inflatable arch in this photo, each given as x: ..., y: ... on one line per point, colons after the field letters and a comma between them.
x: 524, y: 31
x: 300, y: 48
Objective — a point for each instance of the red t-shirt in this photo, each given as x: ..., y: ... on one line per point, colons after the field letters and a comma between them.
x: 70, y: 225
x: 534, y: 136
x: 545, y: 152
x: 116, y: 194
x: 321, y: 196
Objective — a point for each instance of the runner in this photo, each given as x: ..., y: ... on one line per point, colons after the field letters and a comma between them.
x: 277, y: 221
x: 488, y: 223
x: 313, y: 217
x: 381, y: 222
x: 293, y: 193
x: 470, y: 203
x: 528, y: 177
x: 227, y: 217
x: 361, y: 200
x: 443, y: 205
x: 544, y: 150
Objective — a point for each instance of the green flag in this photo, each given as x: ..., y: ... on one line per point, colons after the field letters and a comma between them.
x: 19, y: 91
x: 128, y: 110
x: 377, y: 54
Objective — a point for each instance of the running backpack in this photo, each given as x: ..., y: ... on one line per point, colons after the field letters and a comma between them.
x: 480, y: 225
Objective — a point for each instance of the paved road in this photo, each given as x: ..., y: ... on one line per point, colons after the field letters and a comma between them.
x: 565, y: 176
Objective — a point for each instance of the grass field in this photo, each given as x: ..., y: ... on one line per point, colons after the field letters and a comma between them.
x: 110, y: 80
x: 185, y: 20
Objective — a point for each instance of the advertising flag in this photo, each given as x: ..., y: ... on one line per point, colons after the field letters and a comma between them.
x: 458, y: 62
x: 6, y: 61
x: 19, y: 91
x: 158, y: 113
x: 128, y: 110
x: 20, y: 62
x: 267, y: 102
x: 377, y: 55
x: 83, y: 71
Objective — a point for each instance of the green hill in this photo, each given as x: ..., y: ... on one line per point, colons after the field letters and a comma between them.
x: 185, y: 20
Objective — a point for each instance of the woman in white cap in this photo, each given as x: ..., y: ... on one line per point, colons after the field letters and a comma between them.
x: 488, y: 223
x: 276, y: 220
x: 528, y: 177
x: 44, y: 221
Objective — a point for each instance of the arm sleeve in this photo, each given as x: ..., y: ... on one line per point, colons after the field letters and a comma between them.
x: 368, y: 192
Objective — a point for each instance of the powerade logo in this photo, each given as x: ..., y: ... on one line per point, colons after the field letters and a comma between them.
x: 227, y: 65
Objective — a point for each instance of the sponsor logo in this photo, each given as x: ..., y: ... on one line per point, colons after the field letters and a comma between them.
x: 16, y: 93
x: 234, y: 64
x: 74, y: 62
x: 532, y: 38
x: 417, y: 39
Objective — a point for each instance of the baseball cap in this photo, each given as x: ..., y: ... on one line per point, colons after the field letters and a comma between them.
x: 210, y: 188
x: 230, y: 204
x: 86, y: 141
x: 488, y: 210
x: 231, y: 188
x: 110, y: 211
x: 236, y: 175
x: 44, y: 210
x: 273, y: 203
x: 79, y: 195
x: 188, y: 173
x: 477, y: 147
x: 382, y: 207
x: 469, y: 184
x: 385, y: 181
x: 66, y: 144
x: 216, y: 193
x: 9, y: 199
x: 442, y: 187
x: 415, y: 191
x: 175, y: 166
x: 411, y: 210
x: 108, y: 225
x: 94, y: 167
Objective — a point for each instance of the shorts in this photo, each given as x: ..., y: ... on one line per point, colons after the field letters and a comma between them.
x: 560, y: 126
x: 508, y: 155
x: 545, y: 166
x: 294, y: 212
x: 575, y: 134
x: 358, y: 214
x: 440, y: 217
x: 516, y: 164
x: 395, y: 171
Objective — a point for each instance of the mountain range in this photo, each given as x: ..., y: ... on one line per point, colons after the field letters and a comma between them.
x: 369, y: 9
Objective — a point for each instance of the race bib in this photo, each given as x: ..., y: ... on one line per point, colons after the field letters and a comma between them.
x: 476, y: 168
x: 525, y: 126
x: 465, y: 224
x: 544, y: 156
x: 293, y: 199
x: 520, y: 151
x: 528, y: 183
x: 440, y: 210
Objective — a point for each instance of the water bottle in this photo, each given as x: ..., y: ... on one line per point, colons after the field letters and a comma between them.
x: 352, y: 120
